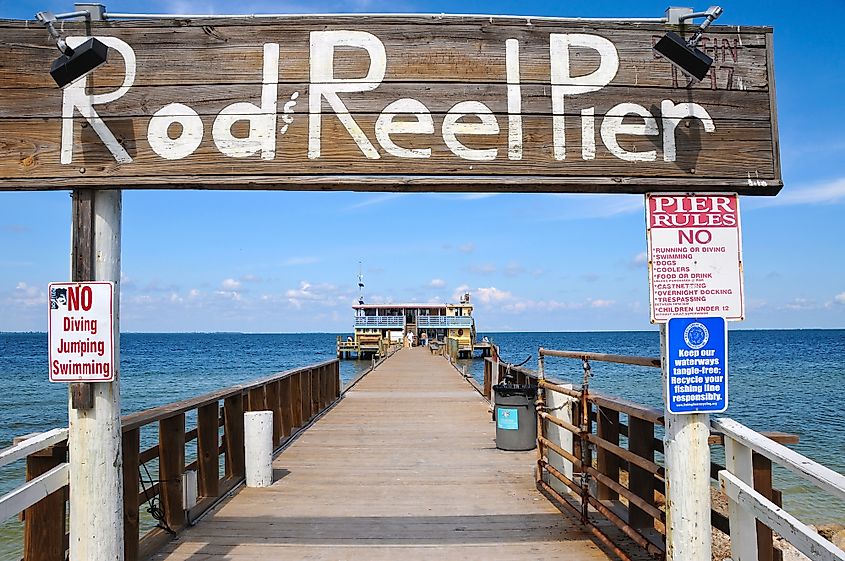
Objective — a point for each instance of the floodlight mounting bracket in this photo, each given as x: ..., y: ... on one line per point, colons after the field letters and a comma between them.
x: 677, y: 16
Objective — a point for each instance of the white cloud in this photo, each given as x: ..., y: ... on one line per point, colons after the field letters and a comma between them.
x: 324, y: 294
x: 459, y: 292
x: 801, y: 304
x: 840, y: 298
x: 600, y: 303
x: 491, y: 295
x: 829, y: 192
x: 229, y: 295
x: 638, y: 260
x: 230, y: 284
x: 437, y: 283
x: 468, y: 247
x: 28, y: 296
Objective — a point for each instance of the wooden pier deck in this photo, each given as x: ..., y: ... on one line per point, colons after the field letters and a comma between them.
x: 404, y: 467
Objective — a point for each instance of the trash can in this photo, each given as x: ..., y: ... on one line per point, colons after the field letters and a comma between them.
x: 516, y: 417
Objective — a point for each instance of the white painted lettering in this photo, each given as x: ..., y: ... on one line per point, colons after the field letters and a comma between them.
x: 614, y: 125
x: 563, y: 83
x: 189, y: 139
x: 387, y: 125
x: 588, y: 133
x: 672, y: 116
x: 487, y: 125
x: 324, y: 84
x: 514, y: 100
x: 75, y: 97
x: 262, y: 120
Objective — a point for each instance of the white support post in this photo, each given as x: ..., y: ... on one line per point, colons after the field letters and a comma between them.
x: 687, y: 456
x: 94, y: 435
x: 258, y: 448
x: 738, y: 462
x: 560, y: 406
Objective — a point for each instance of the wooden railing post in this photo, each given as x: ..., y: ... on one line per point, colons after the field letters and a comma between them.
x: 44, y: 522
x: 256, y: 400
x: 640, y: 481
x: 271, y: 394
x: 305, y: 398
x: 338, y: 383
x: 607, y: 462
x: 488, y: 377
x: 208, y: 450
x: 315, y: 391
x: 296, y: 399
x: 131, y: 487
x: 171, y: 443
x: 763, y: 484
x: 285, y: 406
x: 233, y: 419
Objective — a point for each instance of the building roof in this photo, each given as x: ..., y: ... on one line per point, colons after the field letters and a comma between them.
x: 410, y: 305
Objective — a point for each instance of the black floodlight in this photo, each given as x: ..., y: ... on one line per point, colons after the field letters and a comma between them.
x: 78, y: 62
x: 74, y: 63
x: 690, y: 60
x: 684, y: 54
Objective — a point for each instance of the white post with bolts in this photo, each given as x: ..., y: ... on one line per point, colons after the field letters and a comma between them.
x: 258, y: 448
x: 687, y: 456
x: 94, y: 432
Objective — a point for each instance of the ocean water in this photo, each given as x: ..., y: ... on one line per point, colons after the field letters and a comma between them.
x: 789, y: 381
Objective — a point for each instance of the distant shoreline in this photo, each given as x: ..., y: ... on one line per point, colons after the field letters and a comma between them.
x: 651, y: 330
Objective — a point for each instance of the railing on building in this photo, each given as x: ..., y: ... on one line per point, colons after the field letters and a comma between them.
x: 295, y: 397
x: 444, y: 322
x: 379, y: 321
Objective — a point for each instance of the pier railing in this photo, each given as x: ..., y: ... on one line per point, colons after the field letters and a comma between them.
x: 380, y: 321
x: 598, y: 457
x: 181, y: 491
x: 444, y: 322
x: 752, y: 510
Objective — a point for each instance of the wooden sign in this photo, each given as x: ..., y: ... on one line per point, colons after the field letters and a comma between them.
x: 396, y: 103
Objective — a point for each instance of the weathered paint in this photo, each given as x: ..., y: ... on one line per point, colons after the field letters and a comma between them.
x: 393, y: 102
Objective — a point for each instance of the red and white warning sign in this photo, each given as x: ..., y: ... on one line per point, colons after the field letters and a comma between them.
x: 694, y: 256
x: 80, y: 334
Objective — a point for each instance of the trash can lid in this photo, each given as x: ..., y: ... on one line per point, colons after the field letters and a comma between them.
x: 506, y: 390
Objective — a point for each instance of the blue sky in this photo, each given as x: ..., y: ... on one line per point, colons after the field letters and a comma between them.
x: 287, y: 262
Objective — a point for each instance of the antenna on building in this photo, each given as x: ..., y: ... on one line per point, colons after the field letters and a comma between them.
x: 360, y: 285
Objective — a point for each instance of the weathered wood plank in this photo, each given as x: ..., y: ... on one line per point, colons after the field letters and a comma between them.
x: 443, y: 52
x: 143, y: 101
x: 208, y: 423
x: 171, y: 468
x: 131, y: 446
x: 233, y: 433
x: 44, y: 522
x: 286, y: 406
x: 486, y: 96
x: 30, y: 149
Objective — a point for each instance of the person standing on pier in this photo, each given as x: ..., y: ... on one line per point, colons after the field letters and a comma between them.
x: 410, y: 339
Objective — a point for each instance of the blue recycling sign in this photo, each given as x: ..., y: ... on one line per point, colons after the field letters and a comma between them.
x: 698, y: 365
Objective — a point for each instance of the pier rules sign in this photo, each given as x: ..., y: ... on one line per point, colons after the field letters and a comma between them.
x: 81, y: 338
x: 694, y: 256
x: 698, y: 365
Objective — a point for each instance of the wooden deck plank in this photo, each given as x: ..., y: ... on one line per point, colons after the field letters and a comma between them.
x: 404, y: 467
